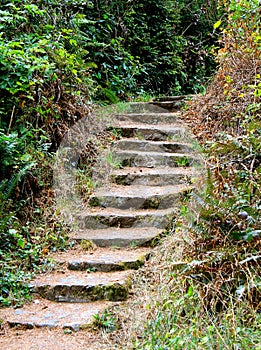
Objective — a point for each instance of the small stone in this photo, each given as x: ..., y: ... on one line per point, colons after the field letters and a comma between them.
x: 243, y: 215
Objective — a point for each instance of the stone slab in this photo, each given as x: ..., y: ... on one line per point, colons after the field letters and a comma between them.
x: 82, y: 287
x: 149, y: 118
x: 101, y: 218
x: 172, y: 98
x: 102, y: 259
x: 169, y: 105
x: 119, y: 237
x: 152, y: 146
x: 160, y: 132
x: 155, y: 176
x: 144, y: 107
x: 156, y: 159
x: 138, y: 196
x: 45, y: 313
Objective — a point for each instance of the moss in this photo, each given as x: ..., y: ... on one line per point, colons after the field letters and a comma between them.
x: 87, y: 244
x: 94, y: 202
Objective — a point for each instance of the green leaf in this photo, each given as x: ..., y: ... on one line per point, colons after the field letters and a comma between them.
x: 217, y: 24
x: 21, y: 243
x: 205, y: 340
x: 190, y: 291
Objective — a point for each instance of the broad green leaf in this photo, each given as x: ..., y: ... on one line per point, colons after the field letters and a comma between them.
x: 21, y: 243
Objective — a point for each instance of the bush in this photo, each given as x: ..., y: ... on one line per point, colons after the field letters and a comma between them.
x: 44, y: 88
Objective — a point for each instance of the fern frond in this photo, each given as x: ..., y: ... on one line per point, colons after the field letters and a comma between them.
x: 198, y: 199
x: 7, y: 187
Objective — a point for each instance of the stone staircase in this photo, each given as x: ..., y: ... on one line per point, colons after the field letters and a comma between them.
x: 124, y: 219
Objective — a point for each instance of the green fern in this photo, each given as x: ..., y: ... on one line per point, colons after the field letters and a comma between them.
x: 7, y: 187
x: 111, y: 95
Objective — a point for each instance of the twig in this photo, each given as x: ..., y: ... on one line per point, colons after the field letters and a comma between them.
x: 11, y: 120
x: 253, y: 257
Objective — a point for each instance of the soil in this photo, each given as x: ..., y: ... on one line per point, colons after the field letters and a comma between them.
x: 51, y: 339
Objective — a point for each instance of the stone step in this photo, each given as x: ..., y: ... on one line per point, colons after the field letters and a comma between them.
x: 102, y: 259
x: 152, y: 146
x: 82, y: 287
x: 137, y: 196
x: 156, y: 159
x: 172, y: 98
x: 120, y: 237
x: 100, y: 218
x: 149, y: 118
x: 155, y: 177
x: 144, y: 107
x: 45, y: 313
x: 161, y: 132
x: 169, y: 105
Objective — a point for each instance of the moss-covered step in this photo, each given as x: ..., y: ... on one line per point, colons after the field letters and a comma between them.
x: 155, y: 176
x: 102, y: 259
x: 172, y: 98
x: 101, y: 218
x: 160, y: 132
x: 144, y: 107
x: 119, y: 237
x: 138, y: 196
x: 44, y: 313
x: 170, y: 105
x: 156, y: 159
x: 79, y: 286
x: 152, y: 146
x: 149, y: 118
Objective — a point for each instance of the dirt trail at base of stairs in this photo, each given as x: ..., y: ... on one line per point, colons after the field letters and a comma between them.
x: 50, y: 339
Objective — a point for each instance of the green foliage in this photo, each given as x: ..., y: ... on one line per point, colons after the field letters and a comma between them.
x: 44, y: 86
x: 178, y: 321
x: 234, y: 109
x: 158, y: 43
x: 13, y: 288
x: 41, y: 60
x: 161, y: 47
x: 23, y: 248
x: 105, y: 321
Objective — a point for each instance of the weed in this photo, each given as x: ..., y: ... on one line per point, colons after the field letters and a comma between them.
x: 139, y: 136
x: 67, y: 331
x: 134, y: 245
x: 182, y: 161
x: 105, y: 321
x: 87, y: 245
x: 113, y: 160
x: 85, y: 184
x: 143, y: 97
x: 91, y: 269
x: 14, y: 290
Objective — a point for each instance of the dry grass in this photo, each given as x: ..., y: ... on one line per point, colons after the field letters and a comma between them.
x: 172, y: 308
